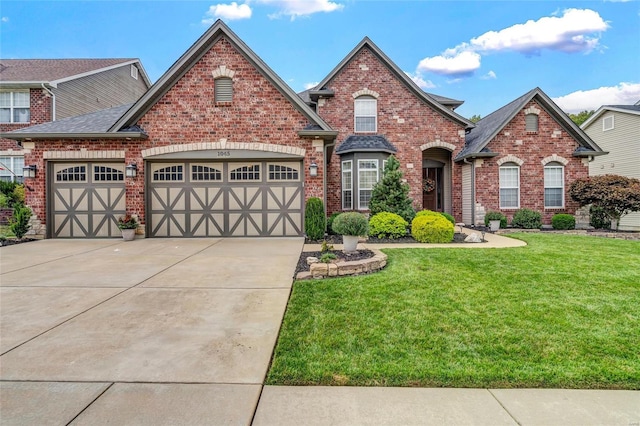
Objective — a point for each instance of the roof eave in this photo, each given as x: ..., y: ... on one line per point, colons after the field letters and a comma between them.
x: 25, y: 84
x: 91, y: 135
x: 586, y: 154
x: 320, y: 134
x: 474, y: 155
x: 347, y: 151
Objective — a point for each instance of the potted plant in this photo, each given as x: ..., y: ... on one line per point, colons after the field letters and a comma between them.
x: 494, y: 220
x: 351, y: 226
x: 128, y: 225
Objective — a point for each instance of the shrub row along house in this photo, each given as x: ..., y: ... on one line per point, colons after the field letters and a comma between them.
x: 221, y: 146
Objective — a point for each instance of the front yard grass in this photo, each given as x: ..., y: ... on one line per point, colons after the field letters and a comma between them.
x: 563, y: 312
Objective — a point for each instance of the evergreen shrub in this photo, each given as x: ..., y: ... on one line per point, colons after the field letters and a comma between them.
x: 387, y: 225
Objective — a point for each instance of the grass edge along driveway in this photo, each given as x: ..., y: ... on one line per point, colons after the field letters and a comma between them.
x: 562, y: 312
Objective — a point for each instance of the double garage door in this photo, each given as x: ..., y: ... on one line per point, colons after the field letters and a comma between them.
x: 184, y: 199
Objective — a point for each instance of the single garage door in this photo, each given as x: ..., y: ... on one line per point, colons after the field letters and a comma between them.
x: 229, y: 199
x: 86, y: 199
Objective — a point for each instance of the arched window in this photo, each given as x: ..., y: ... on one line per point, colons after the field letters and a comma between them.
x: 553, y: 185
x: 366, y: 114
x: 509, y: 186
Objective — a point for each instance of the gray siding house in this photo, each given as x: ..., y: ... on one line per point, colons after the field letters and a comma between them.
x: 37, y: 91
x: 616, y: 128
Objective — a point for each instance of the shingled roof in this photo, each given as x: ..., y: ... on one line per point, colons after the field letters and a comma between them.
x: 53, y: 70
x: 94, y: 125
x: 477, y: 139
x: 360, y: 143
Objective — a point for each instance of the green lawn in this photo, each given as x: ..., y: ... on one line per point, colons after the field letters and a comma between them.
x: 563, y: 312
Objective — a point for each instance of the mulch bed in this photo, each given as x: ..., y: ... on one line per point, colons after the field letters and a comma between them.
x: 341, y: 256
x: 13, y: 242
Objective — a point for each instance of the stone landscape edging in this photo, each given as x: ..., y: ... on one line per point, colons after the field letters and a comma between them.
x: 342, y: 268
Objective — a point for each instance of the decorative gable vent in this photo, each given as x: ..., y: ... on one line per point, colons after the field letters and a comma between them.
x: 223, y: 91
x: 531, y: 123
x: 607, y: 123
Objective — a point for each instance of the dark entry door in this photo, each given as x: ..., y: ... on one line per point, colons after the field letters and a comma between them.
x: 432, y: 188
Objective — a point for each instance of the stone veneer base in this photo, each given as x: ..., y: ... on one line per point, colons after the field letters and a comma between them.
x: 344, y: 268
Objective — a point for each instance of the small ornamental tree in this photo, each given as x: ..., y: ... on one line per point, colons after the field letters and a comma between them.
x: 615, y: 195
x: 390, y: 194
x: 314, y: 219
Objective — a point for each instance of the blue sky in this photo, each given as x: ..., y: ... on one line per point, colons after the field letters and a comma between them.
x: 487, y: 53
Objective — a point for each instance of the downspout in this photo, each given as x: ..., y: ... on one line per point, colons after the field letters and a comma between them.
x: 324, y: 174
x: 53, y: 101
x: 473, y: 190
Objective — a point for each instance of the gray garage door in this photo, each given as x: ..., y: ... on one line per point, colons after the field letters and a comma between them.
x: 86, y: 199
x: 230, y: 199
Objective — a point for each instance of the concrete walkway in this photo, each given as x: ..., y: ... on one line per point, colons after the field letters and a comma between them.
x: 175, y: 331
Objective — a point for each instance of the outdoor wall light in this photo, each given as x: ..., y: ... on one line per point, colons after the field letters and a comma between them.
x: 131, y: 170
x: 29, y: 171
x: 313, y: 169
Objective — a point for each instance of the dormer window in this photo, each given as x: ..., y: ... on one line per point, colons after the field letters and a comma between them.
x: 223, y: 89
x: 366, y: 114
x: 531, y: 123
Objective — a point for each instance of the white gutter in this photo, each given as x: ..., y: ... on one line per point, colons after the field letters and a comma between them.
x: 53, y: 101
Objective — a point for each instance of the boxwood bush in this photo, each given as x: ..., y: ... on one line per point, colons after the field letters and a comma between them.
x: 449, y: 217
x: 330, y: 220
x: 432, y: 228
x: 387, y: 225
x: 527, y: 219
x: 314, y: 219
x: 563, y: 221
x: 598, y: 218
x: 351, y: 223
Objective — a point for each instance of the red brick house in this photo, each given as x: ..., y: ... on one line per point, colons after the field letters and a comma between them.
x: 221, y: 146
x: 36, y: 91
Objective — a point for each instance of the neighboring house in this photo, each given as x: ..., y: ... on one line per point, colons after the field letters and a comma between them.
x: 36, y: 91
x: 616, y: 128
x: 221, y: 146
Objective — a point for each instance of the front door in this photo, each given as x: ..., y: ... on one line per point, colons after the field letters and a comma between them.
x: 432, y: 189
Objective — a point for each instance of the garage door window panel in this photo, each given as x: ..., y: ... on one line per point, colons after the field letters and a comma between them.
x: 72, y: 174
x: 206, y: 173
x: 169, y: 173
x: 245, y: 173
x: 107, y: 174
x: 281, y: 172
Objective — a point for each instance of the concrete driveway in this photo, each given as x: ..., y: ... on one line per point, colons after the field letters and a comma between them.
x: 153, y: 331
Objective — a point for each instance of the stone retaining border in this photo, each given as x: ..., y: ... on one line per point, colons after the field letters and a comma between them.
x: 616, y: 235
x: 342, y: 268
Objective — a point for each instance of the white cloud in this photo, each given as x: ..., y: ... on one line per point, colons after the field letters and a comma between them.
x: 231, y: 12
x: 420, y: 81
x: 299, y: 8
x: 489, y: 76
x: 455, y: 65
x: 575, y: 30
x: 5, y: 19
x: 622, y: 94
x: 308, y: 86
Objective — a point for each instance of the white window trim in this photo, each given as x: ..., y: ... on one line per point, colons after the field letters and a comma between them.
x: 342, y: 189
x: 13, y: 172
x: 604, y: 122
x: 355, y: 115
x: 554, y: 187
x: 12, y: 106
x: 508, y: 187
x: 376, y: 169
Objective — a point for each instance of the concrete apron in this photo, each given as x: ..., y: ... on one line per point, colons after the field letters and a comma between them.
x: 153, y: 331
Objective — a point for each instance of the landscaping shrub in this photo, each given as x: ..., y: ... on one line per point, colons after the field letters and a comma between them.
x: 19, y: 224
x: 527, y: 219
x: 330, y: 220
x: 314, y: 219
x: 387, y: 225
x: 449, y: 217
x: 427, y: 213
x: 4, y: 201
x: 390, y: 194
x: 351, y: 223
x: 432, y: 228
x: 13, y: 195
x: 563, y: 221
x: 493, y: 215
x: 599, y: 218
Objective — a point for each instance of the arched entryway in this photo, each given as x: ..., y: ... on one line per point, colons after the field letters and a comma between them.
x: 436, y: 179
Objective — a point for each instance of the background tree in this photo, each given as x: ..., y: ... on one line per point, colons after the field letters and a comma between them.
x: 581, y: 117
x: 615, y: 195
x: 475, y: 118
x: 390, y: 194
